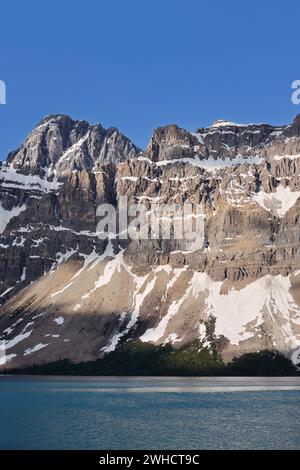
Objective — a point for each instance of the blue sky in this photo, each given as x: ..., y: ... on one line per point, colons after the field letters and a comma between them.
x: 140, y: 64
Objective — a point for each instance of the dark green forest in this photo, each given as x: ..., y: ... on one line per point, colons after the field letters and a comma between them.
x: 134, y: 358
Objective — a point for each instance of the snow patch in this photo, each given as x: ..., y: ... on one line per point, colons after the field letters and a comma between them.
x: 36, y: 348
x: 222, y: 123
x: 17, y: 339
x: 240, y: 313
x: 11, y: 179
x: 6, y: 291
x: 278, y: 202
x: 130, y: 178
x: 290, y: 157
x: 5, y: 359
x: 23, y: 276
x: 211, y: 163
x: 7, y: 215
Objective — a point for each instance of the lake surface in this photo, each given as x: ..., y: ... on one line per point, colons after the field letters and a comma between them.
x: 149, y: 413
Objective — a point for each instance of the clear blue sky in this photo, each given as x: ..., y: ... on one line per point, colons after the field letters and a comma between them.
x: 139, y: 64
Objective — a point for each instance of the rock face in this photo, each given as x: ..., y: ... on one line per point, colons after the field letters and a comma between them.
x: 66, y: 293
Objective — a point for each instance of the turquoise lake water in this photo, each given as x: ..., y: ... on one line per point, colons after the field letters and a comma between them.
x: 149, y: 413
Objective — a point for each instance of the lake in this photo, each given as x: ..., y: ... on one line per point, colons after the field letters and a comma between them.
x: 149, y: 413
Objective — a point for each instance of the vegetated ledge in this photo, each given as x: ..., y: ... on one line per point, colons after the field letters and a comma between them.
x: 135, y: 358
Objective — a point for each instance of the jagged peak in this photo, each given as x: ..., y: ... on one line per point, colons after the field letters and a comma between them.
x: 54, y: 117
x: 170, y: 134
x: 64, y: 118
x: 58, y: 135
x: 169, y: 130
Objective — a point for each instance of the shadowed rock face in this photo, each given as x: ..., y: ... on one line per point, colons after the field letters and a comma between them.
x: 239, y: 293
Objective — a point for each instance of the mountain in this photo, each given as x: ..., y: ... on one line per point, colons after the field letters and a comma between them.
x: 67, y: 294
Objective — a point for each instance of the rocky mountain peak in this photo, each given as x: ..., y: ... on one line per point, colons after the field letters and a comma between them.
x: 171, y: 142
x: 62, y: 144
